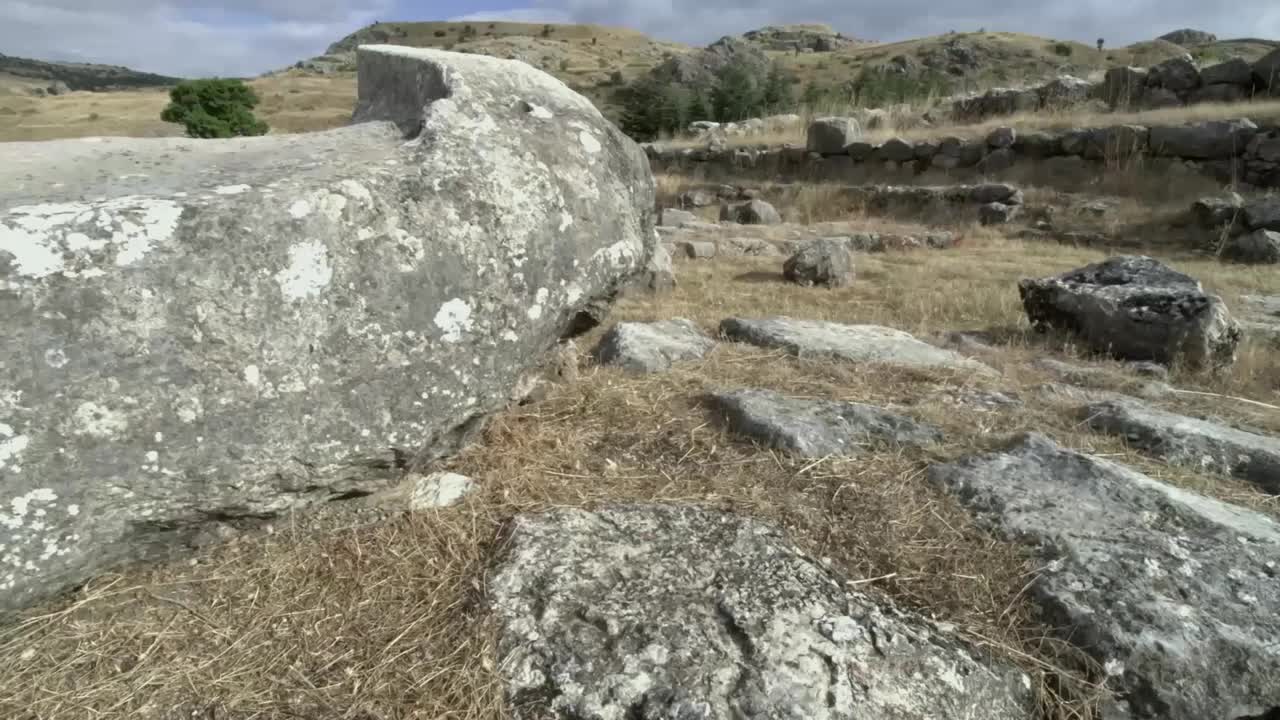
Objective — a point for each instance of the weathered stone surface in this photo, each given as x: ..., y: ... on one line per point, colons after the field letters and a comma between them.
x: 241, y: 328
x: 998, y: 161
x: 997, y: 213
x: 1135, y: 308
x: 1189, y: 36
x: 1187, y: 441
x: 1266, y: 72
x: 854, y: 343
x: 1209, y: 140
x: 1234, y: 71
x: 1177, y: 74
x: 1261, y: 247
x: 657, y: 276
x: 1172, y: 593
x: 1263, y: 213
x: 896, y: 149
x: 752, y: 212
x: 1038, y: 144
x: 1218, y: 93
x: 1211, y: 213
x: 697, y: 249
x: 1154, y: 98
x: 675, y: 218
x: 750, y: 247
x: 647, y: 611
x: 1002, y: 137
x: 653, y: 347
x: 816, y: 428
x: 824, y: 261
x: 439, y: 490
x: 995, y: 192
x: 831, y: 135
x: 1123, y: 86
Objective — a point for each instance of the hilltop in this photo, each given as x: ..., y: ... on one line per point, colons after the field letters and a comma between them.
x: 76, y: 76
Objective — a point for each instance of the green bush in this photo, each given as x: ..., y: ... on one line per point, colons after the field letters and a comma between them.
x: 655, y: 104
x: 216, y: 108
x: 1063, y: 49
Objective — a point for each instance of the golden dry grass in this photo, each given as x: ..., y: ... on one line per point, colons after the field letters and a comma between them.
x: 330, y: 617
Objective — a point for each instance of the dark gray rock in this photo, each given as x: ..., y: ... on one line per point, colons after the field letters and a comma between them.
x: 997, y: 213
x: 998, y: 161
x: 1266, y: 72
x: 825, y: 262
x: 697, y: 249
x: 1211, y: 140
x: 1218, y: 93
x: 1263, y: 213
x: 995, y: 193
x: 1187, y: 441
x: 1002, y: 137
x: 1038, y: 144
x: 1173, y: 594
x: 1135, y: 308
x: 817, y: 428
x: 697, y: 199
x: 237, y: 329
x: 752, y: 212
x: 1188, y: 36
x: 1123, y: 86
x: 1064, y: 91
x: 896, y: 150
x: 1154, y: 98
x: 1235, y: 71
x: 860, y: 151
x: 653, y: 347
x: 650, y: 611
x: 1149, y: 370
x: 831, y: 135
x: 854, y: 343
x: 1177, y: 74
x: 1260, y: 247
x: 1211, y: 213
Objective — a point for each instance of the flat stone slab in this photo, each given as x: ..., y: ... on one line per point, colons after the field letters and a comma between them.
x: 854, y: 343
x: 653, y: 347
x: 1174, y: 594
x: 670, y: 612
x: 817, y: 428
x: 1189, y: 442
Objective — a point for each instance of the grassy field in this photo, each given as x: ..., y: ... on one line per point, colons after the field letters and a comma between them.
x: 342, y: 618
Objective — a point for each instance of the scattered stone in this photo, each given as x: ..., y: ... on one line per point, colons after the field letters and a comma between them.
x: 817, y: 428
x: 676, y: 218
x: 860, y: 151
x: 1186, y: 441
x: 227, y: 328
x: 1080, y: 374
x: 1177, y: 75
x: 995, y: 193
x: 439, y: 490
x: 1135, y: 308
x: 998, y: 161
x: 1220, y: 93
x: 653, y: 611
x: 1212, y: 213
x: 825, y: 262
x: 1149, y: 370
x: 1235, y: 71
x: 1123, y: 86
x: 1260, y: 247
x: 697, y: 199
x: 752, y: 212
x: 1038, y: 144
x: 657, y: 276
x: 997, y: 213
x: 1002, y: 137
x: 1173, y: 594
x: 748, y: 247
x: 653, y: 347
x: 831, y: 135
x: 854, y: 343
x: 896, y: 150
x: 1263, y: 213
x: 697, y: 249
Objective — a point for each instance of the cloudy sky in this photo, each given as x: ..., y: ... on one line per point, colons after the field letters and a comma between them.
x: 246, y: 37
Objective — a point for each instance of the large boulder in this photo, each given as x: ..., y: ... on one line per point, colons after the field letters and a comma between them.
x: 831, y: 135
x: 825, y: 261
x: 201, y: 330
x: 1178, y: 75
x: 1266, y: 72
x: 751, y: 212
x: 1172, y: 594
x: 1210, y: 140
x: 1260, y: 247
x: 1189, y: 36
x: 1123, y: 86
x: 680, y: 613
x: 1135, y: 308
x: 653, y: 347
x: 1235, y: 71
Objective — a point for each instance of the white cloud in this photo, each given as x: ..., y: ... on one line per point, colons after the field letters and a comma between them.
x: 520, y: 15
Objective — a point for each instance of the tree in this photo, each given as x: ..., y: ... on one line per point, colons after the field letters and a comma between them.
x: 214, y: 108
x: 779, y: 89
x: 737, y: 94
x: 1100, y: 44
x: 546, y: 31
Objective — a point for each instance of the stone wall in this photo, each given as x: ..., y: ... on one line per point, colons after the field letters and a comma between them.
x: 1238, y: 151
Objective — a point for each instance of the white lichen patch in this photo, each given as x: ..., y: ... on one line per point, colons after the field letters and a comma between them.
x: 252, y: 376
x: 566, y: 221
x: 356, y: 191
x: 540, y: 112
x: 232, y: 189
x: 308, y: 272
x: 589, y: 142
x: 26, y: 504
x: 98, y: 421
x: 56, y: 238
x: 454, y: 318
x: 11, y: 448
x: 332, y: 205
x: 299, y: 209
x: 55, y: 358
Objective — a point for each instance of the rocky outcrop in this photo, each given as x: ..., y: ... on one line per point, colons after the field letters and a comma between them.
x: 831, y: 135
x: 1173, y: 594
x: 201, y: 330
x: 1188, y: 36
x: 652, y: 611
x: 751, y: 212
x: 826, y: 262
x: 816, y: 428
x: 1190, y: 442
x: 1135, y: 308
x: 58, y: 76
x: 1212, y: 140
x: 653, y: 347
x: 851, y: 343
x: 1260, y: 247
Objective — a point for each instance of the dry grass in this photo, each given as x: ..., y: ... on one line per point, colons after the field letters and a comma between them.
x: 325, y: 619
x: 908, y: 126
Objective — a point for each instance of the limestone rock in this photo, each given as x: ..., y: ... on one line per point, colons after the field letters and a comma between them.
x: 651, y: 611
x: 697, y: 249
x: 1211, y: 140
x: 657, y: 276
x: 439, y: 490
x: 675, y: 218
x: 1213, y: 212
x: 825, y: 262
x: 1188, y: 36
x: 1260, y: 247
x: 896, y: 150
x: 752, y: 212
x: 1187, y: 441
x: 1173, y: 594
x: 1135, y: 308
x: 817, y: 428
x: 854, y: 343
x: 653, y: 347
x: 243, y: 328
x: 749, y: 247
x: 831, y: 135
x: 1219, y: 93
x: 1123, y: 86
x: 1266, y: 72
x: 996, y: 213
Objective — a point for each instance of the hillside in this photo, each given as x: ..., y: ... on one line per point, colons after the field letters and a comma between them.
x: 77, y: 76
